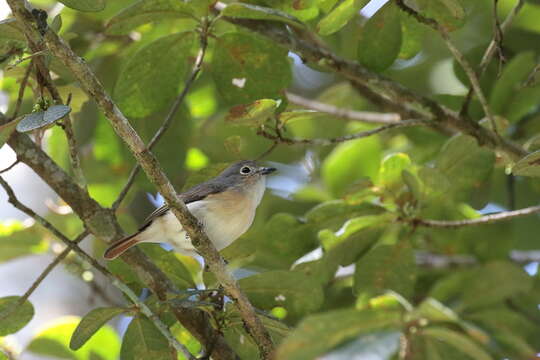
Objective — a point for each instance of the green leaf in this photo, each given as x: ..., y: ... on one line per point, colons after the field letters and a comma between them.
x: 528, y: 166
x: 143, y: 341
x: 151, y: 77
x: 17, y: 240
x: 391, y: 169
x: 250, y: 11
x: 282, y: 240
x: 247, y: 68
x: 458, y: 341
x: 466, y: 165
x: 350, y: 161
x: 412, y: 36
x: 340, y: 16
x: 11, y: 30
x: 242, y: 343
x: 42, y: 119
x: 85, y: 5
x: 170, y: 264
x: 318, y: 334
x: 7, y: 129
x: 385, y: 268
x: 254, y: 114
x: 54, y: 340
x: 436, y: 311
x: 14, y: 317
x: 380, y: 39
x: 146, y: 11
x: 91, y: 323
x: 448, y: 13
x: 332, y: 214
x: 496, y: 281
x: 294, y: 291
x: 381, y: 345
x: 508, y: 97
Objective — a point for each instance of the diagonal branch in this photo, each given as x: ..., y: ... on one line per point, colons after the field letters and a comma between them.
x: 487, y: 219
x: 401, y: 99
x: 471, y: 74
x: 150, y: 165
x: 72, y: 245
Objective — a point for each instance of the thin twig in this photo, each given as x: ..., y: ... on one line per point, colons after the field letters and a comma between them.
x: 29, y: 57
x: 42, y: 276
x: 364, y: 116
x: 197, y: 66
x: 9, y: 167
x: 116, y: 282
x: 324, y: 142
x: 460, y: 58
x: 493, y: 46
x: 22, y: 88
x: 487, y: 219
x: 73, y: 152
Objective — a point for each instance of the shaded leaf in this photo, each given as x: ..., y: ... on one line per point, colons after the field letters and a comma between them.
x: 412, y: 36
x: 250, y: 11
x: 340, y: 16
x: 145, y: 11
x: 380, y: 39
x: 318, y: 334
x: 54, y: 341
x: 247, y: 68
x: 448, y: 13
x: 386, y: 268
x: 170, y: 264
x: 332, y: 214
x: 150, y: 78
x: 91, y: 323
x: 85, y: 5
x: 17, y: 240
x: 458, y: 341
x: 295, y: 291
x: 14, y: 317
x: 7, y: 129
x: 380, y: 345
x: 143, y: 341
x: 528, y: 166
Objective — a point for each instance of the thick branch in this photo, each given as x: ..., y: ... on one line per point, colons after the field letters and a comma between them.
x: 116, y: 282
x: 488, y: 219
x: 150, y: 165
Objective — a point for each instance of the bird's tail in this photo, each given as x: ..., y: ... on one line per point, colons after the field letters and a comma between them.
x: 120, y: 246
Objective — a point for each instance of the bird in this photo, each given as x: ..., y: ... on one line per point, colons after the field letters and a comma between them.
x: 224, y: 205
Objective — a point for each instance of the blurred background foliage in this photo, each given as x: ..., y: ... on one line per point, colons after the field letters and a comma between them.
x: 359, y: 291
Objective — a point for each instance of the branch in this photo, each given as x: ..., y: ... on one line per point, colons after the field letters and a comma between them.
x: 487, y: 219
x: 116, y: 282
x: 9, y: 167
x: 365, y: 116
x: 150, y: 165
x: 324, y: 142
x: 385, y: 91
x: 471, y: 74
x: 102, y: 223
x: 203, y: 39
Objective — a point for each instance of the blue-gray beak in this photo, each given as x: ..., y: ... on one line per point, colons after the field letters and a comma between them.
x: 267, y: 170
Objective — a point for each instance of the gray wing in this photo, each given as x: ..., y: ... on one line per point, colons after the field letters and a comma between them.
x: 196, y: 193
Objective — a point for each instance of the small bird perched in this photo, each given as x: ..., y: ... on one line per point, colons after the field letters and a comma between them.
x: 225, y: 205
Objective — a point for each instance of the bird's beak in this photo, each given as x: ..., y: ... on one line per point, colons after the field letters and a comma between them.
x: 266, y: 170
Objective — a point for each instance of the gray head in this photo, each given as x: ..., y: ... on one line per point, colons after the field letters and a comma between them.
x: 244, y: 173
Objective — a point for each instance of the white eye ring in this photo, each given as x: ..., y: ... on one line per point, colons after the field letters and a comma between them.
x: 245, y: 170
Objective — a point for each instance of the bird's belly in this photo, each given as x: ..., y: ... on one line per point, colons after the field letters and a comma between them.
x: 222, y: 223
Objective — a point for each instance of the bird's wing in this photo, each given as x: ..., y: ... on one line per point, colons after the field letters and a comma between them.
x: 196, y: 193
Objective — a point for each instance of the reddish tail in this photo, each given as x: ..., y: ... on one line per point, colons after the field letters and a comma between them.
x: 120, y: 246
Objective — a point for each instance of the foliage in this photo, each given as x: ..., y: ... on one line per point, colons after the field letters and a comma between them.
x: 334, y: 267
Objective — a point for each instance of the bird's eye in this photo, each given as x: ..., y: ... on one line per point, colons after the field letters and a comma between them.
x: 245, y: 170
